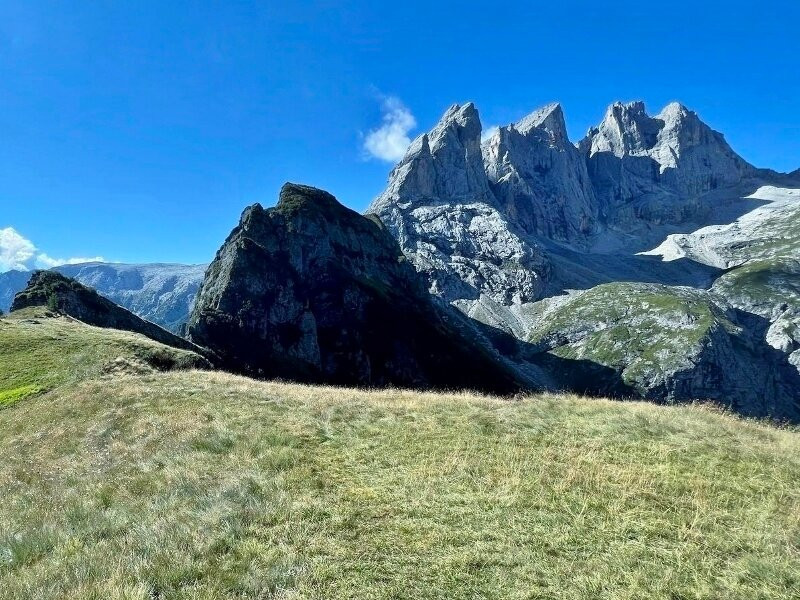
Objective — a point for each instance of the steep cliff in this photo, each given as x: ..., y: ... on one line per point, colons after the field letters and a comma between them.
x: 540, y: 179
x: 312, y: 291
x: 439, y: 207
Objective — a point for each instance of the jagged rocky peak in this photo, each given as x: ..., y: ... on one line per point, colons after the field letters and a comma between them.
x: 666, y: 161
x: 438, y: 205
x: 549, y: 118
x: 444, y: 163
x: 312, y: 291
x: 627, y: 130
x: 539, y: 177
x: 461, y: 121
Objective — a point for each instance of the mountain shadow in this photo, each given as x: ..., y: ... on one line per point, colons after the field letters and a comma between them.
x: 312, y: 291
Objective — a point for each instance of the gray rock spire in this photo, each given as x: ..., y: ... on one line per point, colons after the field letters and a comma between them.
x: 631, y: 155
x: 539, y: 177
x: 440, y: 208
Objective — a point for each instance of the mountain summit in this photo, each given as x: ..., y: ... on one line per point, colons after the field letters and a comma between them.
x: 557, y: 244
x: 312, y: 291
x: 631, y: 154
x: 539, y: 178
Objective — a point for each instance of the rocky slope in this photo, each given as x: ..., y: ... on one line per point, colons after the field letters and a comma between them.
x: 64, y: 296
x: 161, y: 293
x: 312, y: 291
x: 671, y: 343
x: 439, y: 207
x: 11, y: 282
x: 660, y: 202
x: 539, y: 178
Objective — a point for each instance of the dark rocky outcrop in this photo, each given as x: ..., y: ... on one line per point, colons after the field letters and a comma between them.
x: 312, y: 291
x: 65, y: 296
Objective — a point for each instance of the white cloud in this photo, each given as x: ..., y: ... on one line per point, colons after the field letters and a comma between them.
x: 489, y: 132
x: 20, y: 254
x: 16, y: 252
x: 390, y: 141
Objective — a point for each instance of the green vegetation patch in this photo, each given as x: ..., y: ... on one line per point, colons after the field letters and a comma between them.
x: 208, y: 486
x: 762, y: 284
x: 638, y: 329
x: 8, y: 397
x: 40, y: 352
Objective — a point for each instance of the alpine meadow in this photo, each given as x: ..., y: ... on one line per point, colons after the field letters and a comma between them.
x: 278, y: 319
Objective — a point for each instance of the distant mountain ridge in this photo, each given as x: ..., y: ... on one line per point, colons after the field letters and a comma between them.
x: 161, y: 293
x: 56, y: 292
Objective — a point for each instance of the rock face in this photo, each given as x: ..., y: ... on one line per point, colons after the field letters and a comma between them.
x: 439, y: 207
x: 65, y: 296
x: 768, y: 230
x: 655, y: 168
x: 161, y: 293
x: 539, y: 177
x: 312, y: 291
x: 521, y: 249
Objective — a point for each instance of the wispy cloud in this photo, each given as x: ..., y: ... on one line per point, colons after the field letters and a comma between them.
x: 48, y: 262
x: 489, y: 132
x: 390, y: 141
x: 19, y: 253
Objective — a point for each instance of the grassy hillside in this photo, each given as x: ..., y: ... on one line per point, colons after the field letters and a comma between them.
x: 39, y: 353
x: 205, y: 485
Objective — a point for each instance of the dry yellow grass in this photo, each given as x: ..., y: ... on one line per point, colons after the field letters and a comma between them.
x: 206, y: 485
x: 122, y: 482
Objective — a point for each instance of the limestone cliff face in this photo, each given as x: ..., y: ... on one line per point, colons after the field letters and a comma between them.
x: 540, y: 179
x: 161, y: 293
x: 655, y: 168
x: 312, y: 291
x: 440, y: 208
x: 550, y: 220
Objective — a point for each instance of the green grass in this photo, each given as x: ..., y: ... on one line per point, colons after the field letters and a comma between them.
x: 40, y: 353
x: 639, y: 329
x: 204, y: 485
x: 8, y: 397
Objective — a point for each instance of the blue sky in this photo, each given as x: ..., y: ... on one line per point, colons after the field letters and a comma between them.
x: 138, y: 131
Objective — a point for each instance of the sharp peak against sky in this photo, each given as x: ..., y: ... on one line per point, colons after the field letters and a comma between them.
x: 391, y: 139
x: 140, y: 132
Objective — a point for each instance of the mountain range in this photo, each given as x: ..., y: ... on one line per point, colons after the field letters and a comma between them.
x: 649, y: 247
x: 646, y: 260
x: 161, y: 293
